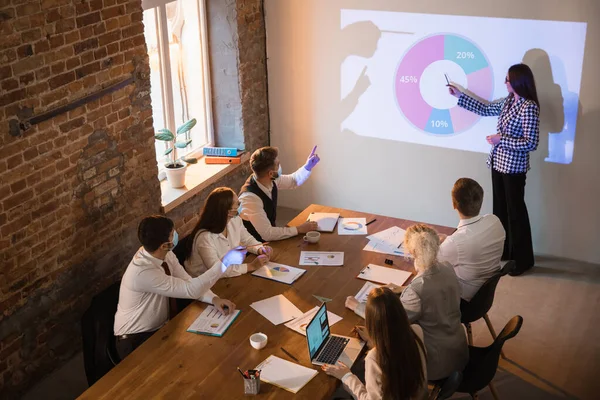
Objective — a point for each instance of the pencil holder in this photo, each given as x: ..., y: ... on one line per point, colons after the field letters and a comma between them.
x: 252, y: 386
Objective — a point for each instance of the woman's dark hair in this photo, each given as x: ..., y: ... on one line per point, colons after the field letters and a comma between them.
x: 396, y: 344
x: 154, y: 231
x: 213, y: 217
x: 522, y: 81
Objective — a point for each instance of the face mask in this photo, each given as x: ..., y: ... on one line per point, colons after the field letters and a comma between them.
x: 175, y: 238
x: 277, y: 174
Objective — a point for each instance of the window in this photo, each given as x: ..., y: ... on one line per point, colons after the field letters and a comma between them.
x: 175, y: 33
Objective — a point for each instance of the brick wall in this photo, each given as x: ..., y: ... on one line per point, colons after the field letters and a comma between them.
x: 73, y: 188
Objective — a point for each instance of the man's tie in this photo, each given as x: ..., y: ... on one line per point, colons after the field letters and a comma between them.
x: 172, y: 300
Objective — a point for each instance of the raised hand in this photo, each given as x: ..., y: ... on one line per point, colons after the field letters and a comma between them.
x: 312, y: 160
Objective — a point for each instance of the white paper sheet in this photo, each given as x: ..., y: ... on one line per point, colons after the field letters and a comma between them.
x: 391, y: 237
x: 212, y: 322
x: 377, y: 273
x: 378, y: 247
x: 279, y: 272
x: 326, y: 221
x: 285, y: 374
x: 363, y: 293
x: 352, y: 226
x: 299, y: 324
x: 277, y: 309
x: 328, y: 258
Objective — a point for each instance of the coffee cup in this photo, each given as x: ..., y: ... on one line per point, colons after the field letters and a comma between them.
x: 258, y: 340
x: 312, y: 237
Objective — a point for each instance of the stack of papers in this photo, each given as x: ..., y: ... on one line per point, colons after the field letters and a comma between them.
x: 352, y: 226
x: 299, y: 324
x: 377, y: 273
x: 285, y: 374
x: 325, y: 221
x: 330, y: 258
x: 277, y: 309
x: 363, y: 293
x: 212, y: 322
x: 388, y: 241
x: 279, y: 272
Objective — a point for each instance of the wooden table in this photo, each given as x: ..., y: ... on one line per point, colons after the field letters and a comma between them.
x: 175, y: 364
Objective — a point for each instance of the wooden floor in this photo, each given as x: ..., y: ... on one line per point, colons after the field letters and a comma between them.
x: 555, y: 356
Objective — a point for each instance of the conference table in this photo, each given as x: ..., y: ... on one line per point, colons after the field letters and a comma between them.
x: 176, y: 364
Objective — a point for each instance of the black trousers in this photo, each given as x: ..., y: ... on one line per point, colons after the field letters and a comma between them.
x: 127, y: 345
x: 510, y: 208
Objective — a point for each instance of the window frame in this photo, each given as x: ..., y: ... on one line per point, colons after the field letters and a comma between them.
x: 167, y: 85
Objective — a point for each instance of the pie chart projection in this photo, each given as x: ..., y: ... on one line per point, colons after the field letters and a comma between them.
x: 420, y: 83
x: 278, y: 271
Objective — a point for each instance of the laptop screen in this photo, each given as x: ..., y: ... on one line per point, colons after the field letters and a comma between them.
x: 317, y: 331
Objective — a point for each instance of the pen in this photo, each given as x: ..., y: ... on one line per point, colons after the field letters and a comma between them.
x: 240, y: 371
x: 370, y: 222
x: 446, y: 76
x: 291, y: 356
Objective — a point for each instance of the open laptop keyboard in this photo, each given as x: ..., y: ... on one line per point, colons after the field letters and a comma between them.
x: 334, y: 347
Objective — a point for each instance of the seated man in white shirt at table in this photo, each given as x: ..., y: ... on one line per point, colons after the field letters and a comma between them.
x: 258, y: 197
x: 154, y: 279
x: 475, y: 248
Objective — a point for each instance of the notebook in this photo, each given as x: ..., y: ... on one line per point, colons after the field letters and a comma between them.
x: 328, y: 258
x: 285, y: 374
x: 279, y: 272
x: 212, y: 322
x: 363, y: 293
x: 377, y: 273
x: 326, y: 221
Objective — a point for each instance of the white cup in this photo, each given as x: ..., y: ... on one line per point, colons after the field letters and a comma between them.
x: 312, y: 237
x: 258, y: 340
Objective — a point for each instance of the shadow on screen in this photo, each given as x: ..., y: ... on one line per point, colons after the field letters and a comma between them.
x: 369, y: 35
x: 559, y: 107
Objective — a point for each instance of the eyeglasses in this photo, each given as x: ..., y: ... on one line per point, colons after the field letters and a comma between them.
x: 506, y: 79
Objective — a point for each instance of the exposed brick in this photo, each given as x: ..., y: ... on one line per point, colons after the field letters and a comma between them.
x: 10, y: 84
x: 56, y: 41
x: 12, y: 97
x: 18, y: 186
x: 25, y: 51
x: 65, y: 25
x: 29, y: 64
x: 28, y: 9
x: 88, y: 19
x: 41, y: 46
x: 30, y: 153
x: 71, y: 37
x: 88, y: 44
x: 108, y: 38
x: 88, y: 69
x: 61, y: 80
x: 31, y: 35
x: 73, y: 62
x: 112, y: 12
x: 57, y: 68
x: 76, y: 123
x: 17, y: 199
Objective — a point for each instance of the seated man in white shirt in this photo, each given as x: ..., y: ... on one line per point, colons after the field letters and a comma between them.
x: 258, y: 197
x: 154, y: 279
x: 475, y: 248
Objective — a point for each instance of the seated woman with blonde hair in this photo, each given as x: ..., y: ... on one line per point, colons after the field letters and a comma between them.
x: 432, y: 301
x: 395, y: 366
x: 219, y: 230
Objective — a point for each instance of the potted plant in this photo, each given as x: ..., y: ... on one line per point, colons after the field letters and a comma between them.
x: 175, y: 167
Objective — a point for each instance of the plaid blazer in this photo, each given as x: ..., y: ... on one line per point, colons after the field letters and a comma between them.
x: 519, y: 125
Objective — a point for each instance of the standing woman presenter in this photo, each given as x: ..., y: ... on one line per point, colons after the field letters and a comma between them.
x: 518, y: 135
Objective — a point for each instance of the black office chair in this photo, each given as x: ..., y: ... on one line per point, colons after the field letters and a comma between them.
x: 180, y: 252
x: 98, y: 339
x: 481, y: 303
x: 483, y: 361
x: 445, y: 388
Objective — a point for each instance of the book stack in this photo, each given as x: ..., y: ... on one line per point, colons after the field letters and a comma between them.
x: 222, y: 155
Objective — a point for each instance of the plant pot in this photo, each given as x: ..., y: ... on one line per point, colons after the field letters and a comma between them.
x: 176, y: 175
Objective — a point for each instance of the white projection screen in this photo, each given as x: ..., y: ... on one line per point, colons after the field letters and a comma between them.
x: 393, y: 81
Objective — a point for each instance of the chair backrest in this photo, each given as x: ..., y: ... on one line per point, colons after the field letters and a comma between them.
x: 481, y: 303
x: 97, y: 328
x: 483, y: 361
x: 450, y: 385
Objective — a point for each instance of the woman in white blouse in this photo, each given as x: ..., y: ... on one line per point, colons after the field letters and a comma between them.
x: 395, y: 366
x: 219, y: 230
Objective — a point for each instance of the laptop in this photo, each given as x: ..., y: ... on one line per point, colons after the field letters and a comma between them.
x: 325, y: 348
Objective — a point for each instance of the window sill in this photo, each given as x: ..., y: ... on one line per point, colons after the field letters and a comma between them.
x: 197, y: 177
